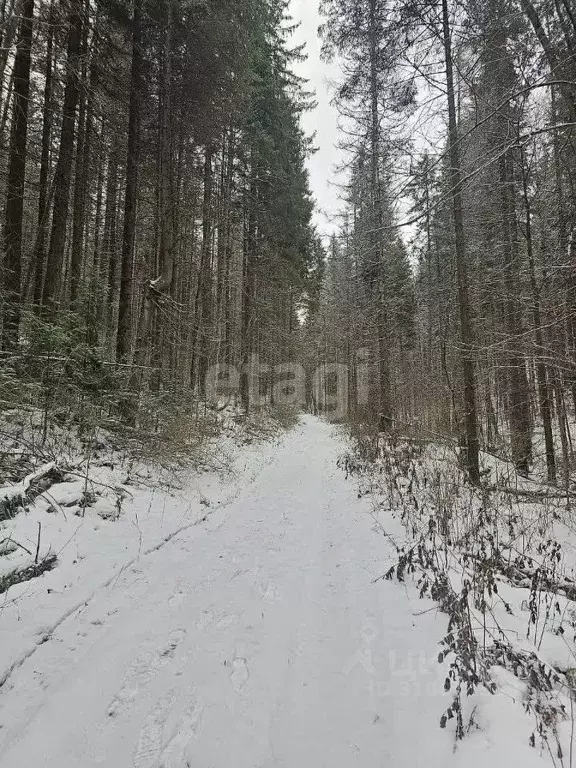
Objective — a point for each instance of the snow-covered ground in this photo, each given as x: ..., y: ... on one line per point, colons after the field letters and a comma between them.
x: 259, y: 637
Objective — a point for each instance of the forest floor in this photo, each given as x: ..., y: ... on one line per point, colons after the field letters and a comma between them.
x: 260, y: 635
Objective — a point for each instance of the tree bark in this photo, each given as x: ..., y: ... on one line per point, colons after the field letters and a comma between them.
x: 377, y: 267
x: 163, y: 283
x: 124, y: 337
x: 39, y: 254
x: 204, y: 291
x: 543, y: 387
x: 9, y: 33
x: 555, y: 62
x: 16, y: 180
x: 472, y: 443
x: 249, y: 281
x: 520, y: 420
x: 63, y: 173
x: 80, y: 177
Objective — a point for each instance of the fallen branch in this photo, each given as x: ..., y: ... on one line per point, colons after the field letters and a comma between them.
x: 536, y: 495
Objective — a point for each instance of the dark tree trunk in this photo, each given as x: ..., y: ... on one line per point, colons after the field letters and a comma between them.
x: 80, y: 177
x: 11, y: 17
x: 204, y: 292
x: 12, y: 272
x: 124, y: 338
x: 39, y: 255
x: 520, y: 420
x: 376, y: 266
x: 543, y: 386
x: 472, y: 443
x: 166, y: 207
x: 109, y: 260
x: 249, y: 283
x: 63, y: 173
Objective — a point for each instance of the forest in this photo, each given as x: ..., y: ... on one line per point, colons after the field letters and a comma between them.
x: 157, y: 216
x: 229, y: 421
x: 465, y: 292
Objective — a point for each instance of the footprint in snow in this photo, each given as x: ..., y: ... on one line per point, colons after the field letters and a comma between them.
x: 174, y: 754
x: 174, y: 640
x: 206, y: 618
x: 227, y: 621
x: 270, y: 593
x: 142, y: 671
x: 150, y: 742
x: 240, y: 674
x: 177, y: 598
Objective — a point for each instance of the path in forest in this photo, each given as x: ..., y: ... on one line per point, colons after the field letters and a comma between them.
x: 262, y: 642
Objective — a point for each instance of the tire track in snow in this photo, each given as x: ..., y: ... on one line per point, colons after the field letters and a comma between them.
x: 49, y: 631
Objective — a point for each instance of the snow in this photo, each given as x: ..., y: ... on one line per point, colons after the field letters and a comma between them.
x: 257, y: 635
x: 21, y: 488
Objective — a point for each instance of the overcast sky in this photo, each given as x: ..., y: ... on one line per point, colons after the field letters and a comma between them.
x: 323, y: 120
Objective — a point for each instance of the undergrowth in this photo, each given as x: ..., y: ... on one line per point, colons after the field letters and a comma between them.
x: 499, y: 561
x: 69, y: 417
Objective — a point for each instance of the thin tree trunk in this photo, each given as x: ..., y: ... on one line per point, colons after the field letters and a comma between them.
x: 164, y: 283
x: 472, y: 447
x: 39, y: 254
x: 63, y: 173
x: 248, y: 282
x: 204, y: 292
x: 557, y: 66
x: 520, y: 421
x: 94, y: 298
x: 377, y: 269
x: 80, y: 177
x: 109, y: 261
x: 124, y: 337
x: 8, y: 101
x: 16, y: 180
x: 541, y: 369
x: 11, y: 26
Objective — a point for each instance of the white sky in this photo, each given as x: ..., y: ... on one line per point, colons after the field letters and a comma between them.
x: 323, y: 120
x: 325, y: 182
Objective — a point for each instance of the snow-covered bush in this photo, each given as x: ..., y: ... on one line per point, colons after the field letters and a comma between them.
x: 498, y: 560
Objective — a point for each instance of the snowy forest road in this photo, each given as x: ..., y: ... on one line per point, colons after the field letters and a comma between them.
x: 262, y: 642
